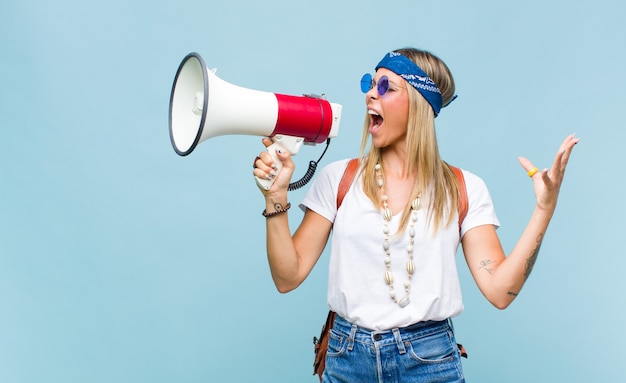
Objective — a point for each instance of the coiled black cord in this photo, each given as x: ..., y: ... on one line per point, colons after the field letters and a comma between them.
x: 308, y: 176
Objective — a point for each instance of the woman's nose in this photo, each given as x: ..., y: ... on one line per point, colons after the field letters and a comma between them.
x: 372, y: 93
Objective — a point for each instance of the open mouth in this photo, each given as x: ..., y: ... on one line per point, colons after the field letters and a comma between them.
x: 376, y: 120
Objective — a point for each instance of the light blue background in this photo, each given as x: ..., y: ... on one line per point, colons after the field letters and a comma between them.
x: 122, y: 262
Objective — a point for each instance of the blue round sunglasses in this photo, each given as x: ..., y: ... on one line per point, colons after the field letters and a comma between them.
x: 367, y: 83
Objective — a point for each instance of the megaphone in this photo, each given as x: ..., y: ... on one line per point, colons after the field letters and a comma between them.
x: 203, y: 106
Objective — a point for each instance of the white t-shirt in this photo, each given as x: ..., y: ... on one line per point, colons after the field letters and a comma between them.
x: 356, y: 287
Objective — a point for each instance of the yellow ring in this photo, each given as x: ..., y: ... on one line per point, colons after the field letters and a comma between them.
x: 533, y: 171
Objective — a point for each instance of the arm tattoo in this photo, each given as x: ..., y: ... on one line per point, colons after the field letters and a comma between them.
x: 484, y: 265
x: 530, y: 262
x: 512, y: 294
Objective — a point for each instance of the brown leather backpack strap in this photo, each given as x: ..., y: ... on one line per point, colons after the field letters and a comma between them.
x: 346, y: 180
x: 463, y: 203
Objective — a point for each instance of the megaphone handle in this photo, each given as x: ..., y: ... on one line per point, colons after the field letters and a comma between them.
x: 265, y: 183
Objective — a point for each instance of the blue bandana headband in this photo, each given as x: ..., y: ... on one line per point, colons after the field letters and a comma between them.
x: 414, y: 75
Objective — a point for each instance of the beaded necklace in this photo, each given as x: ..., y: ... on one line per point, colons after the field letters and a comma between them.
x: 410, y: 265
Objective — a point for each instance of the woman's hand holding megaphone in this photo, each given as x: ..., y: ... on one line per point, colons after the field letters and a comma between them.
x: 276, y: 166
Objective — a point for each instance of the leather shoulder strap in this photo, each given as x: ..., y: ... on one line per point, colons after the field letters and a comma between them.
x: 463, y: 203
x: 346, y: 180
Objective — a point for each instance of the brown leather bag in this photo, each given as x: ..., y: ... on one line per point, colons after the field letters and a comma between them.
x: 321, y: 343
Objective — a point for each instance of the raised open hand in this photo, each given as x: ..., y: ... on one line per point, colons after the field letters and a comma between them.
x: 547, y: 182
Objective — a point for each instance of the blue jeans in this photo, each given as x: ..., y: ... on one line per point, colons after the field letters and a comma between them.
x: 423, y: 352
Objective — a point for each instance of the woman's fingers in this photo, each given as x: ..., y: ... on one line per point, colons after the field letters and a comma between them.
x: 274, y: 163
x: 264, y: 166
x: 528, y: 166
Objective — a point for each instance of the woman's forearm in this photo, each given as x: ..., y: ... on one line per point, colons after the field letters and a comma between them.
x: 511, y: 274
x: 281, y: 252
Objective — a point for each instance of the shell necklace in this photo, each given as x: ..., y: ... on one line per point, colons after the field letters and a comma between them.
x: 410, y: 265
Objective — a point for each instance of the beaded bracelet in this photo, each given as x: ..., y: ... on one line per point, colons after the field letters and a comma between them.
x: 277, y: 212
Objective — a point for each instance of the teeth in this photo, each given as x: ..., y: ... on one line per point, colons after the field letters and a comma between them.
x: 372, y: 113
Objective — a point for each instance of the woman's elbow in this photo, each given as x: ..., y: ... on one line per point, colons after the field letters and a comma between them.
x: 502, y: 302
x: 501, y: 305
x: 284, y: 287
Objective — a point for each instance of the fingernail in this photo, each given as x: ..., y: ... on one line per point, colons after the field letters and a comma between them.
x: 279, y: 151
x: 274, y: 166
x: 272, y: 173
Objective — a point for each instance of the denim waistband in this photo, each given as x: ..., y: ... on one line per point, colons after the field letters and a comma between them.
x: 395, y: 336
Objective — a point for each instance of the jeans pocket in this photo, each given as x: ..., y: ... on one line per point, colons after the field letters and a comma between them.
x: 433, y: 348
x: 336, y: 343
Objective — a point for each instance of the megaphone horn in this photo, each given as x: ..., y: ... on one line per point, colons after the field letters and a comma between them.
x: 203, y: 106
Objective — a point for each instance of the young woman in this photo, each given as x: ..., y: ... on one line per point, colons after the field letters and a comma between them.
x: 392, y: 279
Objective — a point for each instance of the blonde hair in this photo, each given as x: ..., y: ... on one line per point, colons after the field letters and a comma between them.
x: 433, y: 174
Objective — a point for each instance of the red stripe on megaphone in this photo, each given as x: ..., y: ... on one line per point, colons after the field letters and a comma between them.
x: 307, y: 117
